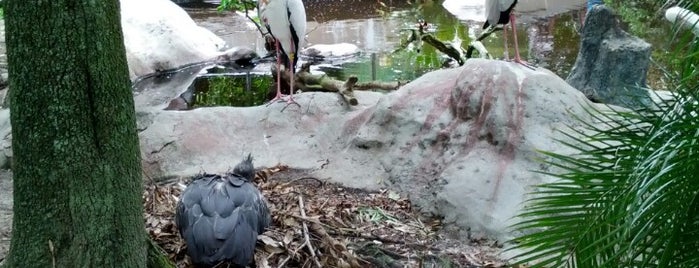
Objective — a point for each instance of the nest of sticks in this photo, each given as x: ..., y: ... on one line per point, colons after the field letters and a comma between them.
x: 320, y: 224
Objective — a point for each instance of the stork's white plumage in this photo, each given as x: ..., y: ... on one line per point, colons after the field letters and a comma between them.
x: 499, y: 12
x: 286, y: 22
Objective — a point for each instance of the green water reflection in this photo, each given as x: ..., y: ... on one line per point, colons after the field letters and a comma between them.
x: 550, y: 43
x: 239, y: 90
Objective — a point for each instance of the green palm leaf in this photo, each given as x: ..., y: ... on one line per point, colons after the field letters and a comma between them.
x: 629, y: 196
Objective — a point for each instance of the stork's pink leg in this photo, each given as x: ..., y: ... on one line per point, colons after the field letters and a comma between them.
x: 514, y: 31
x: 292, y: 78
x: 279, y: 95
x: 506, y: 52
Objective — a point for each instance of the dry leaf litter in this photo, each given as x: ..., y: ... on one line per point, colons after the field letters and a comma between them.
x: 321, y: 224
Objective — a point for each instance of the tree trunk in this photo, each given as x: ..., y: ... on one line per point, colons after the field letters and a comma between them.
x: 77, y: 184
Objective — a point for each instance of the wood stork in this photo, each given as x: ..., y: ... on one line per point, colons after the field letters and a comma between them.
x: 286, y: 22
x: 220, y: 217
x: 499, y: 13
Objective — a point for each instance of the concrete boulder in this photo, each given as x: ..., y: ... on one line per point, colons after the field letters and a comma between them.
x: 330, y: 52
x: 460, y: 143
x: 165, y: 39
x: 611, y: 66
x: 154, y: 41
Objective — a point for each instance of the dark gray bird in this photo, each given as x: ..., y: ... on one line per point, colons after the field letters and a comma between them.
x: 220, y: 217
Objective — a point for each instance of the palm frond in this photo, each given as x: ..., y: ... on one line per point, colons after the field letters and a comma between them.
x: 628, y: 196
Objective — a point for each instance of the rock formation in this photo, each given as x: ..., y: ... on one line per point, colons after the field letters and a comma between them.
x: 611, y: 66
x: 459, y: 142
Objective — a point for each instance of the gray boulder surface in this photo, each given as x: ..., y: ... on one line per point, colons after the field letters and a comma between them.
x: 611, y: 65
x: 460, y: 143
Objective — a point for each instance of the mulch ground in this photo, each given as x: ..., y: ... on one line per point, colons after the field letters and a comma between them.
x: 321, y: 224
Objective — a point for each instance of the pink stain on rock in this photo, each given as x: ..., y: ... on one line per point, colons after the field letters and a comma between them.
x: 494, y: 104
x: 488, y: 98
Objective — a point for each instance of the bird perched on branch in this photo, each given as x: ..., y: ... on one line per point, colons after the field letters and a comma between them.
x: 498, y: 14
x: 220, y: 217
x: 285, y: 20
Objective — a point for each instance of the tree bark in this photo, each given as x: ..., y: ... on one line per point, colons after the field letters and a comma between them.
x: 77, y: 184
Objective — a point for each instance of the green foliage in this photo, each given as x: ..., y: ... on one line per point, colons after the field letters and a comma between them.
x: 639, y: 14
x: 628, y: 197
x: 157, y: 257
x: 375, y: 215
x: 239, y: 5
x: 645, y: 18
x: 231, y: 91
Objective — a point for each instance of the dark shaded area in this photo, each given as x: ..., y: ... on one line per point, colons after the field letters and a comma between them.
x: 231, y: 89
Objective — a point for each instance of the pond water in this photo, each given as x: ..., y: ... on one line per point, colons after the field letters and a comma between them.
x: 547, y: 30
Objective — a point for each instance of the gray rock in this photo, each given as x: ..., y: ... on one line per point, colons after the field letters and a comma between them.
x: 5, y: 139
x: 154, y: 41
x: 163, y: 40
x: 460, y: 143
x: 330, y: 53
x: 173, y: 89
x: 4, y: 89
x: 5, y: 212
x: 612, y: 64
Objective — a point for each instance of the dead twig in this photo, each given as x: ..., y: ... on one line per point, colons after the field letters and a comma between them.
x: 353, y: 233
x: 305, y: 233
x: 293, y: 253
x: 286, y: 184
x: 259, y: 28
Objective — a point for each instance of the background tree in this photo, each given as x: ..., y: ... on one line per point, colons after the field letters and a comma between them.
x: 77, y: 176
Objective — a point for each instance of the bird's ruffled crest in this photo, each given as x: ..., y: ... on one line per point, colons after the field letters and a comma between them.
x: 245, y: 169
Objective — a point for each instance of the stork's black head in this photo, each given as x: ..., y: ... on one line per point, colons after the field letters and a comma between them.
x: 245, y: 169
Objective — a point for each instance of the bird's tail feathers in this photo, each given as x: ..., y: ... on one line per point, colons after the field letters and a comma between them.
x: 245, y: 168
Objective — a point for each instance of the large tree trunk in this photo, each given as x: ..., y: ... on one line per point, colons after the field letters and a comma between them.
x: 77, y: 184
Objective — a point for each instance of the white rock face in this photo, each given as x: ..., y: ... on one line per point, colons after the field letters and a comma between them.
x: 160, y: 35
x: 460, y: 142
x: 474, y: 10
x: 341, y: 50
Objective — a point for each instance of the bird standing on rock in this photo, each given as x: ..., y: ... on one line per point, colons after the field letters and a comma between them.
x: 499, y: 13
x: 220, y: 217
x: 286, y: 22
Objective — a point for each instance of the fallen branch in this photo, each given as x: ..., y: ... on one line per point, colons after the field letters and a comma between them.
x: 478, y: 45
x: 444, y: 48
x: 307, y: 82
x: 420, y: 35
